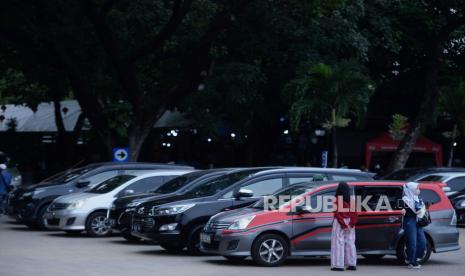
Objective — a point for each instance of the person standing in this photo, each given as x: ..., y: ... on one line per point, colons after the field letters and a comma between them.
x: 413, y: 209
x: 5, y: 182
x: 343, y: 251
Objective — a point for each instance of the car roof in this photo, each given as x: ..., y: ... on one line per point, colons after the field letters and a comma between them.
x: 324, y: 184
x: 137, y: 164
x: 159, y: 173
x: 311, y: 169
x: 447, y: 174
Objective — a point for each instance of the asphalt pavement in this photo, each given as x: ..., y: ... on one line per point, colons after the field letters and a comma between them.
x: 35, y: 253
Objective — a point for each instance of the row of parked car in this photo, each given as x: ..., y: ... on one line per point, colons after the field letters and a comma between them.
x: 221, y: 211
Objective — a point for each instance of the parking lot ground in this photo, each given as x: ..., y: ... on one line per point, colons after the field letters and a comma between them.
x: 28, y: 252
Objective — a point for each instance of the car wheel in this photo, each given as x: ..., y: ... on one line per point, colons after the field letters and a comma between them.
x: 40, y: 217
x: 270, y: 250
x: 130, y: 238
x: 373, y: 257
x: 402, y: 252
x: 171, y: 248
x: 235, y: 258
x: 97, y: 225
x: 193, y: 242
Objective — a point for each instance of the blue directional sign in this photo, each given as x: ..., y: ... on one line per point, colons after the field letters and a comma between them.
x: 120, y: 155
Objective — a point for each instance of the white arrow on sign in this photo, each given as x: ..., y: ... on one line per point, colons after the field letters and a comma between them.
x: 121, y: 154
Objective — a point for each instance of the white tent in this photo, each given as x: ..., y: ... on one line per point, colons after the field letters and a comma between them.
x: 43, y: 120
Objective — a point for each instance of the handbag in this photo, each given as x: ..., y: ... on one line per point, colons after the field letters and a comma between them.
x: 425, y: 220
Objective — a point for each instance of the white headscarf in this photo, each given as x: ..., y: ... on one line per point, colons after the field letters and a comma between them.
x: 3, y: 167
x: 410, y: 198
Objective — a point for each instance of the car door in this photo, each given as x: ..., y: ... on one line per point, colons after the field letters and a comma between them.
x: 260, y: 187
x: 378, y: 230
x: 312, y: 231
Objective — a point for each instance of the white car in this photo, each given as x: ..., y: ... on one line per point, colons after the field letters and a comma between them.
x: 455, y: 181
x: 87, y: 210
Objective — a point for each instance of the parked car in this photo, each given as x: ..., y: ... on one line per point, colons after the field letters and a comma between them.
x: 123, y: 207
x: 415, y: 174
x: 12, y: 168
x: 455, y: 181
x: 176, y: 222
x: 271, y: 236
x: 87, y: 210
x: 29, y: 204
x: 458, y: 201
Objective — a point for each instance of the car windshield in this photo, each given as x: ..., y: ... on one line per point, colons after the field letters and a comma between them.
x: 70, y: 176
x: 401, y: 174
x: 218, y: 184
x: 284, y: 196
x: 432, y: 178
x: 111, y: 184
x: 177, y: 183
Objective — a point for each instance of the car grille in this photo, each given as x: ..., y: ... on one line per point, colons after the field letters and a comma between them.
x: 211, y: 246
x: 58, y: 206
x: 53, y: 222
x: 216, y: 225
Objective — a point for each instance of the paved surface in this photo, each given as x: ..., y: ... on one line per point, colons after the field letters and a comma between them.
x: 28, y: 252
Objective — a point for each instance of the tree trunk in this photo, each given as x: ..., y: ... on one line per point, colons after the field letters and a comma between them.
x: 423, y: 117
x: 335, y: 150
x: 451, y: 146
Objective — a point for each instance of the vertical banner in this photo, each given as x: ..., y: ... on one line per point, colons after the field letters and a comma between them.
x: 324, y: 159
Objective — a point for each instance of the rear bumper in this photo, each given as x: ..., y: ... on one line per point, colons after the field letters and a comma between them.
x: 228, y: 245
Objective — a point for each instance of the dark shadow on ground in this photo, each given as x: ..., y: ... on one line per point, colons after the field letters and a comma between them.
x: 125, y: 242
x: 27, y: 229
x: 78, y: 235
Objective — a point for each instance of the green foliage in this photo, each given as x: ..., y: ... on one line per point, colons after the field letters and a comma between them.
x: 452, y: 105
x: 397, y: 128
x: 328, y: 95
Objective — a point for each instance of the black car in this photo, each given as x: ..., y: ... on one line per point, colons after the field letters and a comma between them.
x: 122, y: 208
x: 28, y: 204
x: 415, y: 174
x: 458, y: 201
x: 176, y: 222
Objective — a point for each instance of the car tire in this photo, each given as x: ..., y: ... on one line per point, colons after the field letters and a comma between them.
x: 374, y: 256
x: 235, y: 259
x: 171, y: 248
x: 97, y: 225
x: 130, y: 238
x: 269, y: 250
x: 401, y: 252
x: 40, y: 221
x: 193, y: 242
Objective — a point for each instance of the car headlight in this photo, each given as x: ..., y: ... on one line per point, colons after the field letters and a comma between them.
x: 133, y: 204
x: 460, y: 204
x: 76, y: 205
x: 172, y: 210
x: 241, y: 223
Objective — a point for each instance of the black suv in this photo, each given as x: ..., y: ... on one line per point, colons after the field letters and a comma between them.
x: 176, y: 222
x: 28, y: 204
x: 123, y: 208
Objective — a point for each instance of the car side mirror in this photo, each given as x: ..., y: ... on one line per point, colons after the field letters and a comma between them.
x: 82, y: 183
x: 128, y: 192
x: 243, y: 193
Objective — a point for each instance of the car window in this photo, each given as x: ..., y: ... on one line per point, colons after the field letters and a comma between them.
x: 264, y: 187
x: 432, y: 178
x: 429, y: 196
x: 457, y: 184
x: 111, y: 184
x: 146, y: 184
x: 394, y: 194
x: 284, y: 196
x: 177, y: 183
x: 309, y: 178
x: 346, y: 177
x: 98, y: 178
x: 319, y: 197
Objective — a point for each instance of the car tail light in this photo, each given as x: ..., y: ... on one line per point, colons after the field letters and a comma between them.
x: 453, y: 222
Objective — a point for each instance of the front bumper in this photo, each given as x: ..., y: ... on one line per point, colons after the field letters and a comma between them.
x: 147, y: 228
x: 231, y: 244
x: 65, y: 220
x: 120, y: 219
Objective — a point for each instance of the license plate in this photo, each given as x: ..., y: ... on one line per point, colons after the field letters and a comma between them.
x: 136, y: 227
x: 205, y: 238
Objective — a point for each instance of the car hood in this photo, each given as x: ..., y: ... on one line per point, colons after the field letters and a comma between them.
x: 125, y: 200
x: 179, y: 198
x: 76, y: 197
x: 231, y: 216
